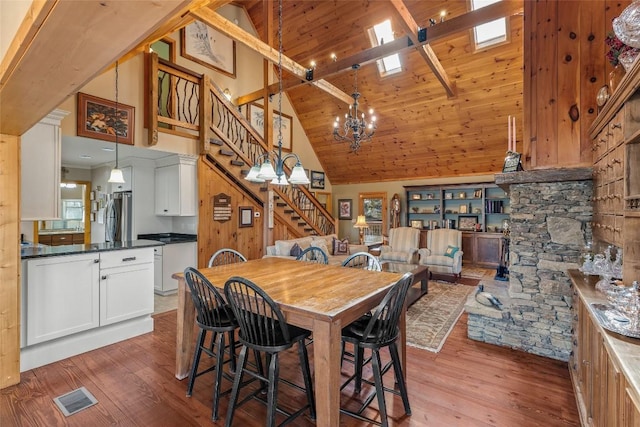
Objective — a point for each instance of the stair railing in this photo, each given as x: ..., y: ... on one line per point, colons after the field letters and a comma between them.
x: 191, y: 105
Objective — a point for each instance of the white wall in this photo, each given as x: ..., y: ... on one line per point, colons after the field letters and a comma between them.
x: 12, y: 12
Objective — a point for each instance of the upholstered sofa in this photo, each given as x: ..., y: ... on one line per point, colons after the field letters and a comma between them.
x: 282, y: 248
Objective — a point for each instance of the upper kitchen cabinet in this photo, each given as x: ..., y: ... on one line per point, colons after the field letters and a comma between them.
x: 40, y: 169
x: 176, y: 189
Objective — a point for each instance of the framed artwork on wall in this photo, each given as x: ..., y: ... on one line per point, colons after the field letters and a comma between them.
x: 345, y: 207
x: 246, y: 216
x: 97, y: 118
x: 202, y: 44
x: 467, y: 222
x: 255, y: 115
x: 317, y: 180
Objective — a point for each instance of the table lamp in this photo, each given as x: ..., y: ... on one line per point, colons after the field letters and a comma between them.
x: 361, y: 223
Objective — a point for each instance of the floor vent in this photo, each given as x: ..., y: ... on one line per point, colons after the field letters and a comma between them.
x: 75, y: 401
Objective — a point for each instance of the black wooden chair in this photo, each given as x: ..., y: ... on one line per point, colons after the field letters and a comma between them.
x: 212, y: 315
x: 225, y: 256
x: 313, y: 254
x: 264, y: 330
x: 380, y: 331
x: 363, y: 260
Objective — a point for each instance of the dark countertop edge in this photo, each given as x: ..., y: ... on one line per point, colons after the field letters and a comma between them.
x: 170, y: 238
x: 51, y: 251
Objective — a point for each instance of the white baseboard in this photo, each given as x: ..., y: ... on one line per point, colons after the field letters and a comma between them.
x: 52, y: 351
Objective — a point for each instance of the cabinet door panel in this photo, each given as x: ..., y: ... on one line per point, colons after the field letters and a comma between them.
x: 469, y: 249
x: 62, y: 296
x: 125, y: 292
x: 488, y: 248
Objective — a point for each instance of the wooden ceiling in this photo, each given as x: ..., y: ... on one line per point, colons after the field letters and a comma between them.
x: 422, y: 133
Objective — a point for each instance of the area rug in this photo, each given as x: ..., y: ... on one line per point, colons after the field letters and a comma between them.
x: 432, y: 317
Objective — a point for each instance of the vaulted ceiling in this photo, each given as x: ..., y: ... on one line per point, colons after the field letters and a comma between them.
x: 422, y: 133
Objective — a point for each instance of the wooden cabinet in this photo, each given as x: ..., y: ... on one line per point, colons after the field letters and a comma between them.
x: 60, y: 239
x: 482, y: 249
x: 176, y: 191
x: 62, y: 296
x: 40, y: 169
x: 603, y: 365
x: 126, y: 285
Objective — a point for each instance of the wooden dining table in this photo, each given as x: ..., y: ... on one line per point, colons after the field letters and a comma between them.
x: 320, y: 298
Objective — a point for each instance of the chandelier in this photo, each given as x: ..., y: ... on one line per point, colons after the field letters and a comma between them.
x: 355, y: 129
x: 263, y: 170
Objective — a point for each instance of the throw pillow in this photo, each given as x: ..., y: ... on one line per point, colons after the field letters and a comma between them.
x: 451, y: 251
x: 320, y: 244
x: 341, y: 247
x: 283, y: 247
x: 296, y: 250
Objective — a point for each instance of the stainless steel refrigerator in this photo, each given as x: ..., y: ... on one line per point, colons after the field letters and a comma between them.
x: 118, y: 218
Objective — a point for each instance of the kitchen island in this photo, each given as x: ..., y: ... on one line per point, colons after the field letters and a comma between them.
x: 76, y: 298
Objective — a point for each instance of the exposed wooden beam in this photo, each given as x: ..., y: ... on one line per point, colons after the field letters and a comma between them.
x: 442, y: 30
x: 228, y: 28
x: 173, y: 24
x: 66, y: 56
x: 410, y: 27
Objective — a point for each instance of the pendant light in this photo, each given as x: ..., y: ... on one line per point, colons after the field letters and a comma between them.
x: 116, y: 176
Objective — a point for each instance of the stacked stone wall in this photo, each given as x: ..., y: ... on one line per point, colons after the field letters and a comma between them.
x: 550, y: 224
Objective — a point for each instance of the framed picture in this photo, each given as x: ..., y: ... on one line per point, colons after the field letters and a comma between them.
x: 467, y: 222
x: 345, y: 207
x: 255, y: 115
x: 317, y: 181
x: 246, y: 216
x: 448, y: 196
x: 416, y: 223
x: 512, y: 162
x: 477, y: 194
x: 202, y: 44
x: 463, y: 209
x: 98, y: 118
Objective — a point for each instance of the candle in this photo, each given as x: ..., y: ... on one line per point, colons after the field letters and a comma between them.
x: 513, y: 140
x: 509, y: 134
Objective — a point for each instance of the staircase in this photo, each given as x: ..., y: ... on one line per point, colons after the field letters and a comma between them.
x: 189, y: 105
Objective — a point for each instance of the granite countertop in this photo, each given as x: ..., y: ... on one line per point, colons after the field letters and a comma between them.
x: 42, y: 251
x: 169, y: 238
x: 64, y: 231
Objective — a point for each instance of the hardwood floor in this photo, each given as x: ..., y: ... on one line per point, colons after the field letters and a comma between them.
x: 466, y: 384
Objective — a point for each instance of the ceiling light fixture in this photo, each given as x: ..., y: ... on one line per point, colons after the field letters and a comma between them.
x: 116, y: 176
x: 263, y: 170
x: 355, y: 129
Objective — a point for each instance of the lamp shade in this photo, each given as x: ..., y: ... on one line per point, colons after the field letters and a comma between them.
x: 361, y: 222
x: 252, y: 176
x: 266, y: 171
x: 116, y: 176
x: 298, y: 176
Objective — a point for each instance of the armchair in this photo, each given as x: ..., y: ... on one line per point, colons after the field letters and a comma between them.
x: 438, y: 256
x: 402, y: 247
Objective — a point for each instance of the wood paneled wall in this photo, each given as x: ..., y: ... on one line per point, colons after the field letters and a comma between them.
x: 565, y: 66
x: 214, y: 235
x: 9, y: 261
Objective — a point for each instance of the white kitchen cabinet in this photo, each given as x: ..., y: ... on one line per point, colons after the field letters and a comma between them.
x: 176, y: 191
x: 126, y: 285
x: 40, y: 169
x: 62, y: 296
x: 174, y: 258
x: 157, y: 269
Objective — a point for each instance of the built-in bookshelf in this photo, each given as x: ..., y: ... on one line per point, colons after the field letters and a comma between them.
x: 472, y: 207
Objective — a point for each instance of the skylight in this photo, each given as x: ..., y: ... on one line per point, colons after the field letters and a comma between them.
x: 382, y: 33
x: 491, y: 33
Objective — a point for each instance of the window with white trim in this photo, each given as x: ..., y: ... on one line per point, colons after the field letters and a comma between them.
x: 490, y: 33
x: 379, y: 34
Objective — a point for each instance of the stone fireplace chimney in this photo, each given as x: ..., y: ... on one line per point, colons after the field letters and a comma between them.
x: 551, y: 214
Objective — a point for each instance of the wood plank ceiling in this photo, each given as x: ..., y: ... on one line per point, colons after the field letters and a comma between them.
x: 422, y: 133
